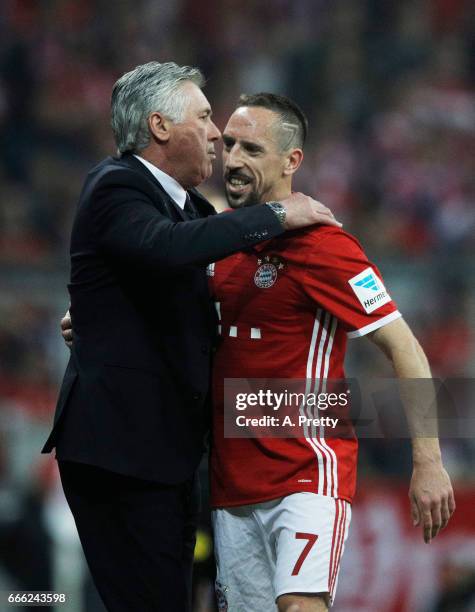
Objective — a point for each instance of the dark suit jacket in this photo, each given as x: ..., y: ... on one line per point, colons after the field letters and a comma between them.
x: 134, y: 398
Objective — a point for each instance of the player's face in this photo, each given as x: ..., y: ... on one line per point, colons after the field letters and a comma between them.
x: 191, y: 145
x: 252, y: 161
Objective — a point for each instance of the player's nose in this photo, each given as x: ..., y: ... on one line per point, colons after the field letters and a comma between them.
x: 232, y: 158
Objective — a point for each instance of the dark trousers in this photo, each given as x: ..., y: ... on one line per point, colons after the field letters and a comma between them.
x: 138, y: 537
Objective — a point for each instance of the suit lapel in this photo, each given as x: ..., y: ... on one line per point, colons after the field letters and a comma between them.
x: 202, y: 205
x: 173, y: 210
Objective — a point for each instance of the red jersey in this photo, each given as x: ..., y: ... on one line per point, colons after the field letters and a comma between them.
x: 286, y: 309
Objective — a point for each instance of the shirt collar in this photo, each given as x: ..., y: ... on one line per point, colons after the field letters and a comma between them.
x: 171, y: 186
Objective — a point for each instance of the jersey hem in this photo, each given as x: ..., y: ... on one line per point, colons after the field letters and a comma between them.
x: 260, y: 499
x: 392, y: 316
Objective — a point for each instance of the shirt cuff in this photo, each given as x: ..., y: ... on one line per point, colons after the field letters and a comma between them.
x: 392, y: 316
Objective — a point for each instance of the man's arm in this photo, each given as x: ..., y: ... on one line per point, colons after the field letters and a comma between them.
x: 129, y: 227
x: 430, y: 493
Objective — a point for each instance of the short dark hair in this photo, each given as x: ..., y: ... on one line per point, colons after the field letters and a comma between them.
x: 293, y: 122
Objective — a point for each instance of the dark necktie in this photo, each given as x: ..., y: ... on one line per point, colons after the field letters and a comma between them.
x: 190, y: 209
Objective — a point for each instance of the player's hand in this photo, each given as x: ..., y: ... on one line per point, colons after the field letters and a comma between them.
x: 67, y: 329
x: 302, y: 210
x: 432, y: 498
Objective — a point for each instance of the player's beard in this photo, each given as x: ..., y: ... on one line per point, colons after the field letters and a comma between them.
x: 241, y: 200
x: 250, y: 199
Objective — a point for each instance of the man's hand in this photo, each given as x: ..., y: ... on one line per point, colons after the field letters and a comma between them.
x: 67, y: 329
x: 430, y: 493
x: 302, y: 210
x: 432, y: 498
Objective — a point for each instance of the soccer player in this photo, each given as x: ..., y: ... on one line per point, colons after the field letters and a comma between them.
x: 282, y: 506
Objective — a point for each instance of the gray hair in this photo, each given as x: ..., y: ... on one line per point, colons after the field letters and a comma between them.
x: 148, y: 88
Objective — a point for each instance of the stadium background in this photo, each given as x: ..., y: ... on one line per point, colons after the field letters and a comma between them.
x: 388, y: 89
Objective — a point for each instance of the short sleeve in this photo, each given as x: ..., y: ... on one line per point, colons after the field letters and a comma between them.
x: 340, y: 278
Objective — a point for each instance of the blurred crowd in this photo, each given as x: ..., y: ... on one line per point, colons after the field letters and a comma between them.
x: 388, y: 88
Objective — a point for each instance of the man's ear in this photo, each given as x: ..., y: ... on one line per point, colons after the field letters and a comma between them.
x: 159, y: 127
x: 293, y: 160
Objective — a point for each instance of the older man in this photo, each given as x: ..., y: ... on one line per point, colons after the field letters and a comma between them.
x: 133, y: 408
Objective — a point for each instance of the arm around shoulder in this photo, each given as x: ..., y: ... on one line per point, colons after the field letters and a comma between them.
x: 128, y: 225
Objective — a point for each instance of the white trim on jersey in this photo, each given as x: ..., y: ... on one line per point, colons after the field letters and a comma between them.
x: 334, y: 466
x: 392, y: 316
x: 309, y: 377
x: 326, y: 457
x: 217, y: 305
x: 321, y: 373
x: 326, y: 317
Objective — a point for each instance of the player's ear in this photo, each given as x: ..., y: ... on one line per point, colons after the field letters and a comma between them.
x: 292, y: 161
x: 159, y: 127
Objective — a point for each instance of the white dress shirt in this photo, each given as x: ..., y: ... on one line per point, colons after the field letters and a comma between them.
x: 171, y: 186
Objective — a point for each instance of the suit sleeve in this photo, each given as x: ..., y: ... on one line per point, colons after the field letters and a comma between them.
x: 340, y: 278
x: 129, y: 226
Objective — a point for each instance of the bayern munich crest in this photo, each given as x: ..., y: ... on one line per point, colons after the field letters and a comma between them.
x: 267, y: 272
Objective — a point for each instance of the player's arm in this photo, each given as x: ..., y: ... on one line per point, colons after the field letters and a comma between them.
x: 342, y: 280
x: 430, y: 492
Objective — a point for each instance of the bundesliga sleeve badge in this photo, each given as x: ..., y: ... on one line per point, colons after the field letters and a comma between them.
x: 369, y: 289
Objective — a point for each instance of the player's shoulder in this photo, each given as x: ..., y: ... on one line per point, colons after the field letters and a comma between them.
x: 329, y: 238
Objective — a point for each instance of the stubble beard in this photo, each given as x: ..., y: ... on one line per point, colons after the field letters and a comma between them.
x: 251, y: 199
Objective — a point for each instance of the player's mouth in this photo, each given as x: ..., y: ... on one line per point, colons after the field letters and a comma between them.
x: 238, y: 184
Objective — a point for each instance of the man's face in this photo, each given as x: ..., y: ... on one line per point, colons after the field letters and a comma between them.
x: 253, y: 164
x: 191, y: 145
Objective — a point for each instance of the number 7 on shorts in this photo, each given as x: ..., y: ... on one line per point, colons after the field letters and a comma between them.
x: 311, y: 539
